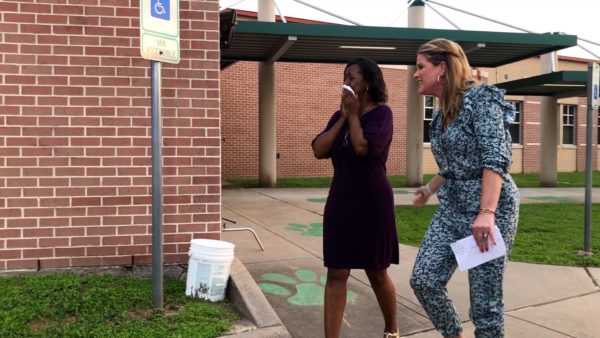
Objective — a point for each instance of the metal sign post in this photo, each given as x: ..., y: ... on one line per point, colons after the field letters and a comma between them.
x: 159, y: 41
x: 157, y: 253
x: 592, y: 104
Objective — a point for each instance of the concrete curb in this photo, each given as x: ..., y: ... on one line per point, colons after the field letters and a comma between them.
x: 244, y: 295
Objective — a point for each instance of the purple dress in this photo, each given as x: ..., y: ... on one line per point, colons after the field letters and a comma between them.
x: 359, y: 228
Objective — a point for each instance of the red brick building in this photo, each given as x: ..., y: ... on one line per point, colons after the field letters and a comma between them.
x: 75, y: 145
x: 308, y: 93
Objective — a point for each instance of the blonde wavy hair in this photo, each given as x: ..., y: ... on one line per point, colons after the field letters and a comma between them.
x: 457, y: 77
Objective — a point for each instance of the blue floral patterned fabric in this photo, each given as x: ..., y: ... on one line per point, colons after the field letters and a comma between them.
x: 478, y: 138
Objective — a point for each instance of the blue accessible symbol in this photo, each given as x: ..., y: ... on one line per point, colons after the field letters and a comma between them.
x: 161, y: 9
x: 595, y: 92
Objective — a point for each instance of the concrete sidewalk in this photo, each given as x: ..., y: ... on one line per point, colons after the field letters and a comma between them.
x: 540, y: 300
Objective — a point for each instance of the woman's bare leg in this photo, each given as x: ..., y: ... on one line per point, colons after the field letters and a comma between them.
x: 386, y: 297
x: 335, y: 300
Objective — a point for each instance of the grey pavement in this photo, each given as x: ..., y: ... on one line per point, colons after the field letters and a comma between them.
x: 283, y: 289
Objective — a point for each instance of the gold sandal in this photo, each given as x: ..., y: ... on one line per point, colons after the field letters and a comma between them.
x: 392, y: 335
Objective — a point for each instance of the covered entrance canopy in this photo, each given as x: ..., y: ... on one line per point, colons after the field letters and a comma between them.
x: 332, y: 43
x: 551, y: 87
x: 557, y: 84
x: 269, y: 42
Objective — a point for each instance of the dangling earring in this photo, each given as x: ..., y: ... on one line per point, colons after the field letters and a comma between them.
x: 438, y: 80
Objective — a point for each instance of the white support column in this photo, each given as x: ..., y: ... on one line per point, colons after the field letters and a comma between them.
x: 267, y: 120
x: 549, y: 124
x: 414, y: 110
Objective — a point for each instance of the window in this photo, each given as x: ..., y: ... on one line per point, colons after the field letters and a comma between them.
x: 429, y: 101
x: 515, y: 127
x: 568, y: 128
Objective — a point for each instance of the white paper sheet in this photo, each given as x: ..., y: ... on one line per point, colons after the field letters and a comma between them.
x: 468, y: 255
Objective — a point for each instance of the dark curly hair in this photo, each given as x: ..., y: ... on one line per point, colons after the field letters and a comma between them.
x: 373, y: 76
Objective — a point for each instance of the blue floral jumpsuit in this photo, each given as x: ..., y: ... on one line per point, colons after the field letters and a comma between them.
x: 478, y: 138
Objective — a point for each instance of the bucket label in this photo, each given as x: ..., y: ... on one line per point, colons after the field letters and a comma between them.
x: 218, y: 287
x: 207, y: 280
x: 208, y: 269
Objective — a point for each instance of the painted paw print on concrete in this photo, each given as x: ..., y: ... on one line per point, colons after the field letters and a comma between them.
x: 317, y: 199
x: 309, y: 290
x: 313, y: 229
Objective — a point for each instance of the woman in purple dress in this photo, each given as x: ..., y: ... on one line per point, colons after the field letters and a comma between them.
x: 359, y: 229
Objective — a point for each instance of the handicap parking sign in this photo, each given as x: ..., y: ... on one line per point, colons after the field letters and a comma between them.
x: 159, y: 30
x: 160, y: 9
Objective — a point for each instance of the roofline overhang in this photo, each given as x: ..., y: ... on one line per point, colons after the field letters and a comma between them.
x: 251, y: 34
x: 557, y: 84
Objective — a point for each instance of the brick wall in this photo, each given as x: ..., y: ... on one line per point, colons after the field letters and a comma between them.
x: 75, y: 144
x: 239, y: 126
x: 531, y: 134
x: 581, y: 134
x: 307, y: 96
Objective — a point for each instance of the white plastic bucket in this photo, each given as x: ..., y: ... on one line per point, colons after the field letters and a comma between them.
x: 208, y: 269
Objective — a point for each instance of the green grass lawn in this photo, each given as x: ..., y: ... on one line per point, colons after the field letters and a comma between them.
x: 69, y: 305
x: 576, y: 179
x: 547, y: 233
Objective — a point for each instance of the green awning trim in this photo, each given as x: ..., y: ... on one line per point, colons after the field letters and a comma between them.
x: 260, y: 41
x: 557, y: 84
